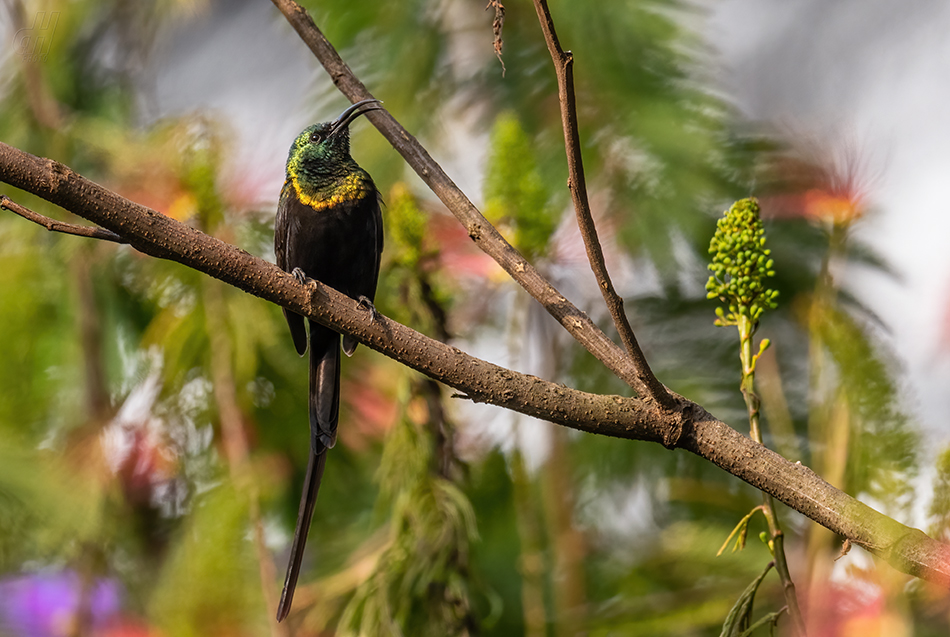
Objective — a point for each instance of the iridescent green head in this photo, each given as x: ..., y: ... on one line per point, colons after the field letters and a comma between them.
x: 320, y: 155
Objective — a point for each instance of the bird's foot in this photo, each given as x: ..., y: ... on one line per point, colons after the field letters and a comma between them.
x: 301, y: 277
x: 364, y: 303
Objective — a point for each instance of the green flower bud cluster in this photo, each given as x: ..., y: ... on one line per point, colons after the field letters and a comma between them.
x: 740, y: 264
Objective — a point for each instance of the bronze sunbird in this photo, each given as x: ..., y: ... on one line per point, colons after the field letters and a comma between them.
x: 328, y: 228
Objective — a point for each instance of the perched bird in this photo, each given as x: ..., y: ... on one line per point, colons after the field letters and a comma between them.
x: 328, y: 228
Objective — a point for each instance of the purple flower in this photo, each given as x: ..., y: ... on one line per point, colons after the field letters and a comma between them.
x: 48, y: 604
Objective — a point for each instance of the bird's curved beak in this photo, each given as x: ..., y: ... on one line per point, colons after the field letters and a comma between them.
x: 345, y: 118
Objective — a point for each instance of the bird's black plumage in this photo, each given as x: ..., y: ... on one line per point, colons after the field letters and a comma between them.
x: 328, y: 228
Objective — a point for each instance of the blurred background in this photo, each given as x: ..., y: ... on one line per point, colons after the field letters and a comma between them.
x: 153, y: 421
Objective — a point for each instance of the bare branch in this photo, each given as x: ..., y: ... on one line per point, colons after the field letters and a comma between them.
x: 577, y: 183
x: 909, y: 550
x: 58, y: 226
x: 485, y: 236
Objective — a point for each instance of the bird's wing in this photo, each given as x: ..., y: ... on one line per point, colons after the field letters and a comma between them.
x: 366, y: 286
x: 284, y: 250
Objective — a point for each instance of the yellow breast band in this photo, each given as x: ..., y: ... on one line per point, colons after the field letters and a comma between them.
x: 352, y: 187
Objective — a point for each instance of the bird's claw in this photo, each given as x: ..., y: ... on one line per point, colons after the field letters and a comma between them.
x: 365, y: 304
x: 300, y: 276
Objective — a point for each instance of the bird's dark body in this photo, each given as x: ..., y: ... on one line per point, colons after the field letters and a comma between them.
x: 328, y: 228
x: 338, y: 246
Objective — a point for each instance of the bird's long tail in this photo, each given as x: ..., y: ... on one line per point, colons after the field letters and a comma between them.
x: 324, y: 415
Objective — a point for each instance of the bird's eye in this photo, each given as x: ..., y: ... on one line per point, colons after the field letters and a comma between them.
x: 316, y: 137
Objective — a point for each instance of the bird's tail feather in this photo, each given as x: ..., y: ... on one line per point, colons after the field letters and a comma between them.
x: 324, y: 414
x: 324, y: 386
x: 304, y: 516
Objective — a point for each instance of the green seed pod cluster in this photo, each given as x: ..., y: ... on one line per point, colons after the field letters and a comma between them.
x: 740, y: 264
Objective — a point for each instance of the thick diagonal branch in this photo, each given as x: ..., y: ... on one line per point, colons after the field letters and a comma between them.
x: 485, y: 236
x: 150, y: 232
x: 577, y: 183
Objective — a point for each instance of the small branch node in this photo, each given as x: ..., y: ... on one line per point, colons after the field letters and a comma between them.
x: 845, y: 549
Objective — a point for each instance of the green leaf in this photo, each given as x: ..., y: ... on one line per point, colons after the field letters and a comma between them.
x: 771, y: 618
x: 738, y: 621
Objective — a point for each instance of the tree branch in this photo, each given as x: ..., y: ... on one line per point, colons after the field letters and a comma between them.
x: 58, y: 226
x: 485, y: 236
x: 909, y: 550
x: 577, y: 184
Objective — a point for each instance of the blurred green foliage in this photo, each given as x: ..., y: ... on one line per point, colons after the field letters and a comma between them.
x: 209, y: 582
x: 515, y: 193
x: 421, y: 583
x: 128, y: 381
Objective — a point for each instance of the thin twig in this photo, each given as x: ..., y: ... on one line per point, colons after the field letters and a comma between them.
x: 59, y: 226
x: 577, y: 183
x: 576, y: 322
